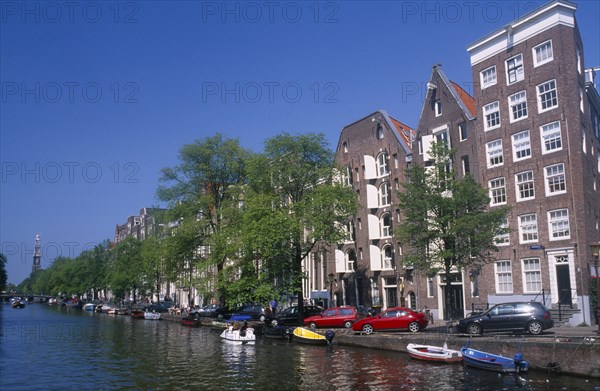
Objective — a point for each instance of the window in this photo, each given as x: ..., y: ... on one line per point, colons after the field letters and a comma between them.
x: 494, y: 153
x: 542, y: 53
x: 382, y: 164
x: 555, y: 179
x: 547, y: 99
x: 503, y: 277
x: 558, y: 224
x: 491, y: 112
x: 350, y: 260
x: 345, y: 146
x: 347, y: 176
x: 488, y: 77
x: 497, y: 191
x: 532, y: 275
x: 442, y: 136
x: 521, y: 145
x: 438, y: 108
x: 581, y: 101
x: 430, y: 287
x: 528, y: 228
x: 462, y: 131
x: 578, y: 60
x: 388, y: 257
x: 349, y: 231
x: 518, y: 106
x: 524, y: 186
x: 384, y: 194
x: 514, y: 69
x: 551, y: 137
x: 386, y: 225
x: 466, y: 167
x: 503, y: 237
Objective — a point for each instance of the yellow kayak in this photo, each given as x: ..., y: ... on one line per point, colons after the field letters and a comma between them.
x: 307, y: 336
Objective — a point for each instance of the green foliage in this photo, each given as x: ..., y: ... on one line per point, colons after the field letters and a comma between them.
x: 3, y: 275
x: 127, y: 268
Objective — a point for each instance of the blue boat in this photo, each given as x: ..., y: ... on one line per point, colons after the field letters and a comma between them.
x: 494, y: 362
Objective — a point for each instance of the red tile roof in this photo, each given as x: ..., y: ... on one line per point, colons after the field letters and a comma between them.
x: 467, y: 99
x: 406, y: 132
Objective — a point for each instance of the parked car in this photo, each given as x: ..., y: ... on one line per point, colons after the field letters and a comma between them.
x: 250, y: 312
x: 395, y: 318
x: 162, y: 306
x: 532, y: 317
x: 334, y: 317
x: 291, y: 316
x: 213, y: 311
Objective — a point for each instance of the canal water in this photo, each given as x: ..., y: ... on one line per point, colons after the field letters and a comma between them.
x: 56, y: 348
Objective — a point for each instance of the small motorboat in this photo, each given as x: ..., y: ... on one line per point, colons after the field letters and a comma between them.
x: 278, y: 332
x: 494, y: 362
x: 152, y: 315
x: 89, y: 307
x: 190, y: 321
x: 304, y: 335
x: 138, y: 314
x: 433, y: 353
x: 18, y: 304
x: 239, y: 336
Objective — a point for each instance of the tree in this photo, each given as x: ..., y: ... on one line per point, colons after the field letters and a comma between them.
x: 201, y: 191
x: 127, y: 270
x: 447, y: 223
x: 293, y: 204
x: 3, y: 275
x: 153, y: 259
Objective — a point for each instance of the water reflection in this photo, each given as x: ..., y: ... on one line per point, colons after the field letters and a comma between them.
x: 76, y: 350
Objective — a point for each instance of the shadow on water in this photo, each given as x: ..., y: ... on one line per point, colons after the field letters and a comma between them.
x: 44, y: 347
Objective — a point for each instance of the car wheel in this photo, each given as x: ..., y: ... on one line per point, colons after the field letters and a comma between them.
x: 312, y: 325
x: 262, y: 318
x: 347, y: 324
x: 474, y: 328
x: 367, y: 329
x: 535, y: 328
x: 413, y: 327
x: 274, y: 322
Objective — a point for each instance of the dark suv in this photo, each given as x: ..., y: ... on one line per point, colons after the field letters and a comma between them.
x: 249, y: 312
x: 291, y: 316
x: 532, y: 317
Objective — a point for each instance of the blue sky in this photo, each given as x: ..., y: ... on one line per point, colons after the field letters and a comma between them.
x: 98, y: 96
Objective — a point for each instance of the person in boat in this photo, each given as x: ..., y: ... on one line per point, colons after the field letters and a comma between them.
x: 243, y: 329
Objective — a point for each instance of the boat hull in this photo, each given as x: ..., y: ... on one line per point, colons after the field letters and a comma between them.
x: 152, y: 315
x: 493, y: 362
x: 190, y: 322
x: 306, y: 336
x: 230, y: 335
x: 434, y: 353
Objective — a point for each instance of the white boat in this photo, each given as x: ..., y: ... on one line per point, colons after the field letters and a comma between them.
x: 433, y: 353
x: 89, y: 307
x: 152, y: 315
x: 233, y: 336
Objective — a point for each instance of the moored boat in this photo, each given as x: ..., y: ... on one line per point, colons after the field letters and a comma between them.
x: 18, y: 304
x: 152, y: 315
x: 304, y: 335
x: 190, y: 321
x: 239, y: 336
x: 278, y: 332
x: 494, y: 362
x: 138, y: 314
x: 433, y: 353
x: 89, y: 307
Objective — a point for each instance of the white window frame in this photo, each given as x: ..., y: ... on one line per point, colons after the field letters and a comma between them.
x: 386, y: 230
x: 525, y: 185
x: 551, y: 135
x: 488, y: 77
x: 350, y: 264
x: 517, y: 106
x: 554, y: 175
x: 519, y: 67
x: 387, y: 262
x: 503, y: 239
x: 437, y: 105
x: 558, y: 224
x: 546, y: 92
x: 528, y: 227
x: 531, y: 275
x: 461, y: 126
x: 578, y: 54
x: 491, y: 151
x: 521, y: 144
x: 542, y: 50
x: 503, y: 277
x: 383, y: 167
x: 497, y: 190
x: 383, y: 191
x: 491, y: 113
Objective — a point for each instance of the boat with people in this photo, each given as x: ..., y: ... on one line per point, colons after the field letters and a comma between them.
x: 17, y: 303
x: 304, y: 335
x: 494, y: 362
x: 152, y: 315
x: 440, y: 354
x: 239, y: 336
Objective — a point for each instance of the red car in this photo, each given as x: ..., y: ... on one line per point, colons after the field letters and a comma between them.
x: 333, y: 317
x: 395, y: 318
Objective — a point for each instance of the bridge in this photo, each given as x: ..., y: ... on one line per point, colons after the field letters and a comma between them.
x: 31, y: 298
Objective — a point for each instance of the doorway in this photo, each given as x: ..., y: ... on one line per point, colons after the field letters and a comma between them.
x: 563, y: 282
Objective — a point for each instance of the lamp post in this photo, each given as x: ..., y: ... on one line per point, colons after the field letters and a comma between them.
x: 332, y: 280
x: 595, y: 253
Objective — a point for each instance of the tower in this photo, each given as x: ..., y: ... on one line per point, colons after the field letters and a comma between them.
x: 37, y: 255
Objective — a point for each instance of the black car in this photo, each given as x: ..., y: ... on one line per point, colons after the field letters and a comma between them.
x: 291, y: 316
x: 249, y: 312
x: 163, y: 306
x: 532, y: 317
